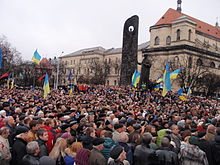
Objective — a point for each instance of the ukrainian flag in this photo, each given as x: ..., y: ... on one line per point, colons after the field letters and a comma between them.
x: 12, y: 83
x: 159, y: 79
x: 46, y: 86
x: 135, y: 78
x: 71, y: 90
x: 181, y: 94
x: 158, y: 86
x: 174, y: 74
x: 189, y: 91
x: 36, y: 57
x: 166, y: 77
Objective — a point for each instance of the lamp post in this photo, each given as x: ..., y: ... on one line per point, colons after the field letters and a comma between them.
x: 58, y: 68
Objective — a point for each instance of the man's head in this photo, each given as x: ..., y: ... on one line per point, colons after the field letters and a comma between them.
x: 98, y: 143
x: 42, y: 134
x: 118, y: 153
x: 146, y: 138
x: 175, y: 129
x: 4, y: 132
x: 32, y: 148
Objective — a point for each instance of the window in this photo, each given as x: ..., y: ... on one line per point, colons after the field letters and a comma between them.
x: 178, y: 35
x: 212, y: 65
x: 116, y: 70
x: 109, y: 60
x: 199, y: 62
x: 107, y: 82
x: 190, y: 62
x: 115, y: 82
x: 71, y: 62
x: 189, y: 35
x: 157, y: 41
x: 168, y: 40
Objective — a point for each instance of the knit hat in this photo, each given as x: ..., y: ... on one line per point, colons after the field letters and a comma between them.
x: 46, y: 160
x: 66, y: 135
x: 21, y: 129
x: 82, y: 156
x: 116, y: 152
x: 98, y: 141
x: 193, y: 140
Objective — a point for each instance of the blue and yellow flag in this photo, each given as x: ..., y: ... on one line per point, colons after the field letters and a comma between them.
x: 166, y: 78
x: 135, y: 78
x: 181, y: 94
x: 174, y: 74
x: 36, y: 57
x: 46, y: 86
x: 71, y: 90
x: 159, y: 79
x: 189, y: 91
x: 158, y: 86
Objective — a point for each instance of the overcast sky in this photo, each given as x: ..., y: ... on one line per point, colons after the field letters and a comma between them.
x: 53, y: 26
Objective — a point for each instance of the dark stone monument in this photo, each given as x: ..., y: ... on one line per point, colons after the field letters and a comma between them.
x: 145, y: 72
x: 129, y: 50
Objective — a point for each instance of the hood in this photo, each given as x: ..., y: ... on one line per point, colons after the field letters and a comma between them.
x: 108, y: 142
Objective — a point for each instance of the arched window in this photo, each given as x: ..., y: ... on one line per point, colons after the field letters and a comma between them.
x: 189, y: 34
x: 212, y: 65
x: 178, y: 35
x: 199, y: 62
x: 168, y: 40
x: 157, y: 41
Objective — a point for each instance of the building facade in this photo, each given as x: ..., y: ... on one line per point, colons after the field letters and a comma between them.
x: 86, y: 63
x: 183, y: 41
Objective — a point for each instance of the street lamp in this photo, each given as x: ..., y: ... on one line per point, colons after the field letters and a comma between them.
x: 58, y: 68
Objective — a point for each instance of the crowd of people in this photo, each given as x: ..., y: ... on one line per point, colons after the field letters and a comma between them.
x: 107, y: 126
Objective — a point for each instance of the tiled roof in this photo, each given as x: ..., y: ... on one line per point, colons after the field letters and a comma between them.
x: 201, y: 26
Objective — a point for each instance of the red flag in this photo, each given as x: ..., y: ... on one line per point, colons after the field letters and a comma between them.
x: 41, y: 77
x: 4, y: 75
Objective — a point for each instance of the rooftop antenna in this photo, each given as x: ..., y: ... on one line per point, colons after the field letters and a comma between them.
x: 179, y: 9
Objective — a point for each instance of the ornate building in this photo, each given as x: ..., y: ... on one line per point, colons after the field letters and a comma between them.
x: 183, y: 41
x: 84, y: 64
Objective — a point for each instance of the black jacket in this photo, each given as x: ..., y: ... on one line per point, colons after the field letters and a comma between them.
x: 143, y: 155
x: 43, y: 148
x: 30, y: 160
x: 18, y: 151
x: 216, y: 149
x: 166, y: 156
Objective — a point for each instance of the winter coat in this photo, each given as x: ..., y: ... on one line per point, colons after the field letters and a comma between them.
x: 108, y: 145
x: 87, y: 142
x: 43, y: 148
x: 127, y: 149
x: 51, y: 137
x: 96, y: 158
x: 166, y: 156
x: 6, y: 154
x: 216, y: 149
x: 18, y: 151
x: 143, y: 155
x: 30, y: 160
x: 206, y: 146
x: 192, y: 154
